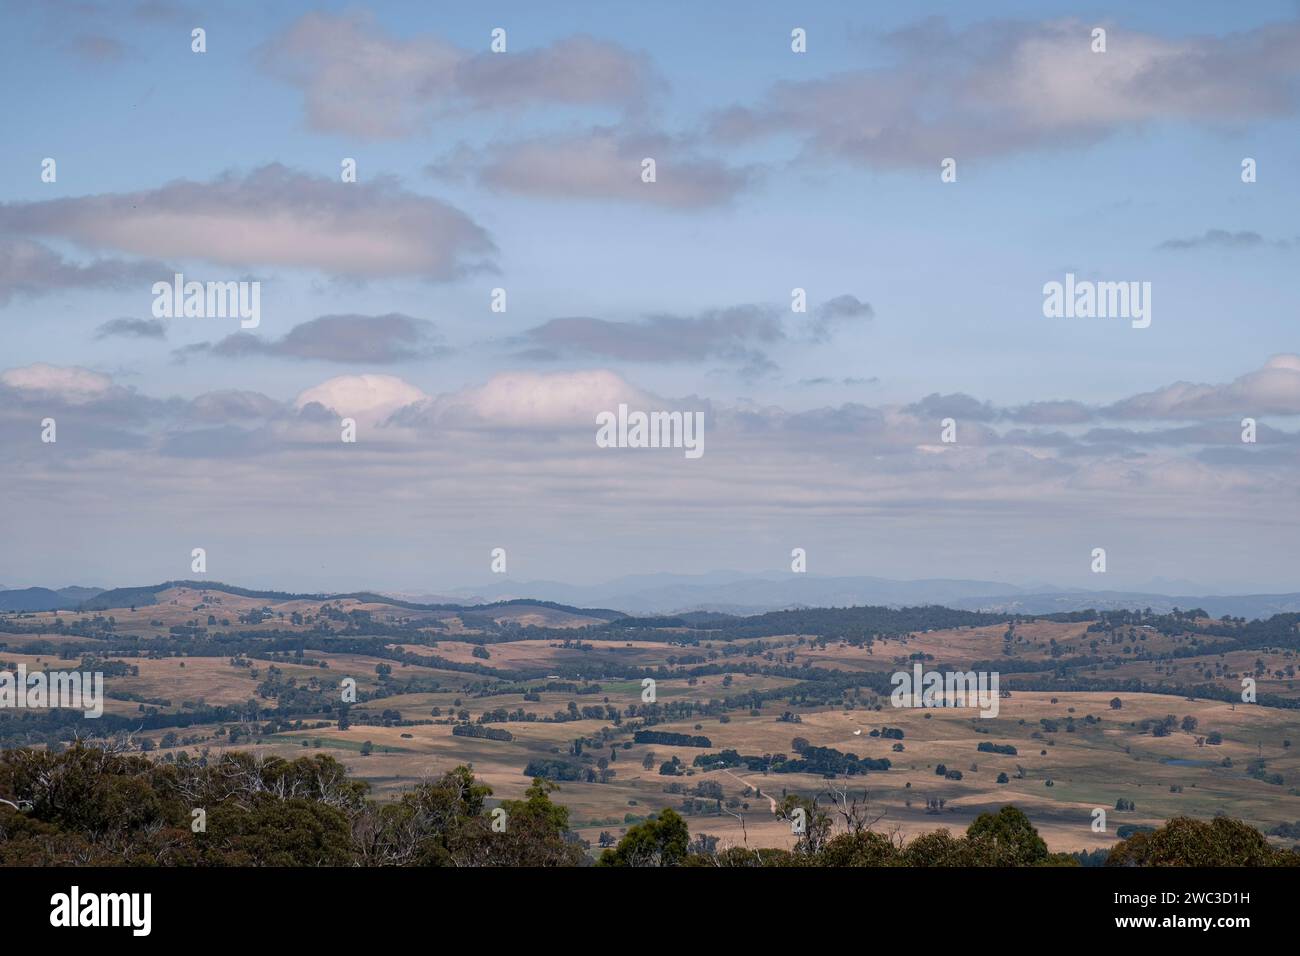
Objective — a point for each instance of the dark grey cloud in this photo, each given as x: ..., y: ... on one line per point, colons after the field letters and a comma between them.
x: 132, y: 329
x: 839, y: 311
x: 71, y: 393
x: 1222, y: 239
x: 94, y: 414
x: 738, y: 335
x: 851, y: 417
x: 318, y: 414
x: 1051, y: 413
x: 29, y: 268
x: 234, y: 405
x: 358, y: 339
x: 957, y: 405
x: 826, y: 380
x: 754, y: 364
x: 725, y: 333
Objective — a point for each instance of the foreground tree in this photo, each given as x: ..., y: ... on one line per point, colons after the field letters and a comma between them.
x: 1007, y: 838
x: 93, y: 806
x: 1187, y: 842
x: 659, y: 841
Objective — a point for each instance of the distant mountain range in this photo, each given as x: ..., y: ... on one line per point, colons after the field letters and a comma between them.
x: 96, y: 599
x: 1249, y: 606
x: 733, y: 592
x: 44, y: 599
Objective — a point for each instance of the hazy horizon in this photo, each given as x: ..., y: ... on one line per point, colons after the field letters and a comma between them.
x: 491, y: 585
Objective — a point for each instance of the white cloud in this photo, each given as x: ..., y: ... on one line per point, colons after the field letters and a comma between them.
x: 272, y: 216
x: 367, y: 398
x: 1002, y: 87
x: 538, y: 400
x: 73, y: 384
x: 1272, y: 389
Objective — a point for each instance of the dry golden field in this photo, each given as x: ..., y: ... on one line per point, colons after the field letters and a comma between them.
x: 1092, y: 756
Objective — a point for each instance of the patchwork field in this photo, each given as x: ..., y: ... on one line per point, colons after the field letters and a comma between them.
x: 1093, y: 714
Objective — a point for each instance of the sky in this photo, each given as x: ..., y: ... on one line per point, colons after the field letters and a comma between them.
x: 517, y: 176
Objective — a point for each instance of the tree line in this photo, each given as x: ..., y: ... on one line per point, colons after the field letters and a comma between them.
x: 91, y: 806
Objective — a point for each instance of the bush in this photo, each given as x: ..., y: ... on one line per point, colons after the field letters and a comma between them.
x: 858, y: 849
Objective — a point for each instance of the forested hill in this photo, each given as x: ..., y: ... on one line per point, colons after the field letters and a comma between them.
x: 836, y: 623
x: 147, y: 595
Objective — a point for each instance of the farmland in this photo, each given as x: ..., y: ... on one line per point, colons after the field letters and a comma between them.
x: 1094, y: 712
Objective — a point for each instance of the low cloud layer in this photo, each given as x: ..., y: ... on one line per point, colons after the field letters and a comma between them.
x: 567, y: 401
x: 519, y: 448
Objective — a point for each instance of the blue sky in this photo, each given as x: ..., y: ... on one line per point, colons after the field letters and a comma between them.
x: 777, y: 170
